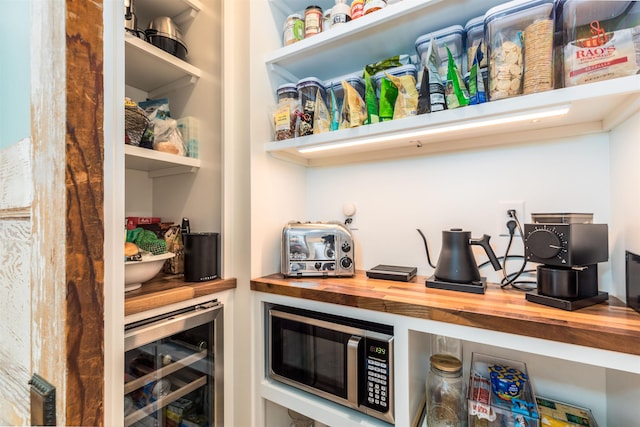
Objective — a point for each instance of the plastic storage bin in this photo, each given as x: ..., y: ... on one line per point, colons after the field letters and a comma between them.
x: 517, y: 404
x: 451, y: 37
x: 600, y: 40
x: 474, y: 36
x: 336, y: 84
x: 307, y: 91
x: 519, y: 35
x: 387, y: 95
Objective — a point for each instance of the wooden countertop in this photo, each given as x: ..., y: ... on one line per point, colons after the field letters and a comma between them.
x: 169, y: 289
x: 609, y: 325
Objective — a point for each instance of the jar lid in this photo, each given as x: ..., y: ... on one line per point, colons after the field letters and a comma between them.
x: 515, y: 7
x: 310, y: 81
x: 445, y: 362
x: 313, y: 6
x: 478, y: 21
x: 454, y: 31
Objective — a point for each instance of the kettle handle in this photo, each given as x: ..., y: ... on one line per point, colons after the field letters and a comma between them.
x: 484, y: 242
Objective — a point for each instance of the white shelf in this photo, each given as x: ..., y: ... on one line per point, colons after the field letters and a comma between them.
x: 597, y: 107
x: 153, y: 70
x: 157, y: 163
x: 381, y: 34
x: 171, y: 8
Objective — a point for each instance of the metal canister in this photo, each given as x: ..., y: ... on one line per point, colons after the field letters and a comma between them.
x: 293, y: 30
x: 312, y: 20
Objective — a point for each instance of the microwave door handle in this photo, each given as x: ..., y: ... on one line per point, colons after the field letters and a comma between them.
x: 352, y: 369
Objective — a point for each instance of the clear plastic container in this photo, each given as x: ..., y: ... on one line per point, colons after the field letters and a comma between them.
x: 387, y: 92
x: 451, y: 37
x: 354, y: 80
x: 600, y: 40
x: 486, y: 408
x: 519, y: 35
x: 402, y: 70
x: 307, y: 91
x: 474, y: 36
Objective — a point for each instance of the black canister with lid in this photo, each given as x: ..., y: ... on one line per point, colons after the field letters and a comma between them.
x: 307, y: 92
x: 445, y: 392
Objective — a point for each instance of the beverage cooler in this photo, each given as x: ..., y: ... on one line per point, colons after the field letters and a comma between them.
x: 174, y: 369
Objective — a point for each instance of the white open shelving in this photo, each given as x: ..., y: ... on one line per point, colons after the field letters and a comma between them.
x: 393, y: 30
x: 596, y: 107
x: 157, y: 163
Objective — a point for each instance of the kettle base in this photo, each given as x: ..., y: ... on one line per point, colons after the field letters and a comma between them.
x: 476, y: 287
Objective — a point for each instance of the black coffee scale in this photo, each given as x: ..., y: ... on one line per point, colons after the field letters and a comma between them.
x: 569, y: 247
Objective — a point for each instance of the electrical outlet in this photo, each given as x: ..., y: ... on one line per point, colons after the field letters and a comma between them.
x: 503, y: 216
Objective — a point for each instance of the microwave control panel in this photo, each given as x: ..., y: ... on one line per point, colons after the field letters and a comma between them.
x: 378, y: 376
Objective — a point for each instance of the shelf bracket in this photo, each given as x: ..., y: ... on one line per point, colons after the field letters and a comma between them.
x: 177, y: 84
x: 284, y: 73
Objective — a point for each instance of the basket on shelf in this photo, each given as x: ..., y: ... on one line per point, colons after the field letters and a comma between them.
x: 136, y: 122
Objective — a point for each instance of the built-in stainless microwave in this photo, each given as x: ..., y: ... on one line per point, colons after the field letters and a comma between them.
x: 345, y: 360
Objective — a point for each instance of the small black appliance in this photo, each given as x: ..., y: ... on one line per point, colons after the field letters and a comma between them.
x: 632, y: 280
x: 568, y: 247
x: 201, y: 256
x: 456, y: 268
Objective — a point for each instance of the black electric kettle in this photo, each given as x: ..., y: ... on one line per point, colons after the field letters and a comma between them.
x: 456, y: 263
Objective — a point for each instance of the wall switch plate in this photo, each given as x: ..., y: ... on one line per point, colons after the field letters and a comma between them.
x: 503, y: 217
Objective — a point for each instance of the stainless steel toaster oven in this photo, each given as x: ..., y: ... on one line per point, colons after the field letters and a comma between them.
x: 317, y: 249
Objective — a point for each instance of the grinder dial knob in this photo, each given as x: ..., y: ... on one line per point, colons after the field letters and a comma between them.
x: 544, y: 243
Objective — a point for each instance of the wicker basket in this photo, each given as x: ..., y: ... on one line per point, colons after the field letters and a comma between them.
x: 136, y: 122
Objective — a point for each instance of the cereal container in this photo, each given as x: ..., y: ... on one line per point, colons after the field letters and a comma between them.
x: 600, y: 40
x: 474, y: 31
x: 451, y: 37
x: 519, y: 35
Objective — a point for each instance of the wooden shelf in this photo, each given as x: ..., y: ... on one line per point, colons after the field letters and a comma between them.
x: 606, y: 326
x: 158, y: 163
x: 168, y: 289
x: 597, y: 107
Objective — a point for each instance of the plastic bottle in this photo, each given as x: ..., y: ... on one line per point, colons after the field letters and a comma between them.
x: 357, y: 9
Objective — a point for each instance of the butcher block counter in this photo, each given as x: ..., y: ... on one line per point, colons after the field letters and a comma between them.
x: 168, y: 289
x: 608, y: 326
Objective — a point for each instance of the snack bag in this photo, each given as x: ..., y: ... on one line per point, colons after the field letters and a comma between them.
x: 388, y: 95
x: 477, y: 94
x: 333, y: 109
x: 354, y: 109
x: 371, y: 100
x: 321, y: 117
x: 406, y: 104
x: 456, y: 92
x: 431, y: 88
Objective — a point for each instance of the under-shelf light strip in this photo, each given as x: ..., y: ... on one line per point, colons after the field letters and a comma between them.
x: 530, y: 115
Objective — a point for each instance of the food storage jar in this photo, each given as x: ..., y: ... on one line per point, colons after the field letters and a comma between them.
x: 387, y: 91
x: 445, y: 392
x: 293, y: 30
x: 307, y: 90
x: 600, y: 40
x: 336, y: 84
x: 451, y: 37
x: 474, y: 37
x: 313, y: 20
x: 519, y: 35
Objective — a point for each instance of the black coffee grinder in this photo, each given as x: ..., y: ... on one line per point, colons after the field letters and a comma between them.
x: 569, y: 247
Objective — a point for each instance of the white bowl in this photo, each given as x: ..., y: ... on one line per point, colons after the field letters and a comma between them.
x: 138, y: 272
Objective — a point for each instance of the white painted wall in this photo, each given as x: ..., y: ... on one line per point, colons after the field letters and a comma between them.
x: 461, y: 190
x: 625, y: 195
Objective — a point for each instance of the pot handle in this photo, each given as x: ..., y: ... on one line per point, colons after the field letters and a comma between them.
x: 484, y: 242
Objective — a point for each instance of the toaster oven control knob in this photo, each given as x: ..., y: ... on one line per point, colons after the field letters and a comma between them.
x: 346, y: 262
x: 544, y: 243
x: 346, y: 247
